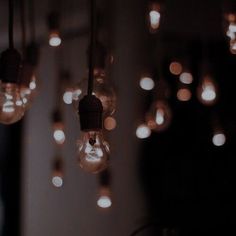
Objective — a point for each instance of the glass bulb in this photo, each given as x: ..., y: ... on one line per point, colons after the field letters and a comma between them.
x: 57, y: 179
x: 154, y: 17
x: 207, y: 91
x: 146, y: 83
x: 11, y: 105
x: 102, y: 90
x: 28, y: 92
x: 159, y: 116
x: 219, y: 139
x: 93, y: 152
x: 58, y: 133
x: 104, y: 199
x: 68, y: 96
x: 143, y: 131
x: 54, y: 39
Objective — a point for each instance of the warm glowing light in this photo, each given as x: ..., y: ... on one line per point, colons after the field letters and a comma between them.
x: 110, y: 123
x: 104, y: 202
x: 184, y: 94
x: 186, y: 78
x: 175, y: 68
x: 233, y: 46
x: 218, y: 139
x: 154, y: 17
x: 59, y: 136
x: 207, y: 91
x: 146, y: 83
x: 32, y: 84
x: 57, y: 181
x: 68, y: 97
x: 143, y: 131
x: 54, y: 39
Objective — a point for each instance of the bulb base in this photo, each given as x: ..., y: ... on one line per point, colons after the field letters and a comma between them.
x: 90, y: 112
x: 10, y: 65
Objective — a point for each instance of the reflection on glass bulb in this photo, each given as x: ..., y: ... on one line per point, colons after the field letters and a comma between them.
x: 159, y: 116
x: 207, y: 91
x: 11, y: 105
x: 102, y: 90
x: 146, y: 83
x: 143, y: 131
x: 54, y: 39
x: 93, y: 152
x: 218, y: 139
x: 58, y: 133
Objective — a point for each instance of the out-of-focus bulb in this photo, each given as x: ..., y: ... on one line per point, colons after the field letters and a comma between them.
x: 143, y: 131
x: 93, y: 152
x: 146, y: 83
x: 159, y: 116
x: 218, y: 139
x: 104, y: 198
x: 102, y: 90
x: 184, y: 94
x: 207, y: 91
x: 110, y: 123
x: 154, y: 17
x: 11, y: 105
x: 68, y: 96
x: 175, y: 68
x: 57, y: 181
x: 58, y: 133
x: 186, y: 78
x: 54, y: 39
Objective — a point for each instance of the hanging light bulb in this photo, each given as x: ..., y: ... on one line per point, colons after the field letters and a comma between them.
x: 159, y: 116
x: 104, y: 199
x: 184, y: 94
x: 154, y: 17
x: 109, y: 123
x: 93, y: 152
x: 58, y: 128
x: 231, y: 32
x: 57, y: 172
x: 11, y: 105
x: 146, y: 83
x: 218, y: 139
x: 102, y: 90
x: 186, y: 78
x: 175, y: 68
x: 207, y: 91
x: 143, y: 131
x: 53, y: 25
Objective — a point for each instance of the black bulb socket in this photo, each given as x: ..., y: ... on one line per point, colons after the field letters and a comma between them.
x: 90, y: 112
x: 10, y: 66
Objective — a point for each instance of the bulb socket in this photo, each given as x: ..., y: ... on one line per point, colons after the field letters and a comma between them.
x: 90, y: 112
x: 56, y: 116
x: 10, y: 66
x: 53, y: 21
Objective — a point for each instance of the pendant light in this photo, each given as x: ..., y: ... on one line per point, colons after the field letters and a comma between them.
x: 93, y: 151
x: 11, y: 105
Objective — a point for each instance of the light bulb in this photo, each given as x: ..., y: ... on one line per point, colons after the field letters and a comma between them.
x: 175, y: 68
x: 207, y: 91
x: 159, y: 116
x: 154, y: 17
x: 184, y: 94
x: 104, y: 199
x: 57, y: 172
x: 58, y: 133
x: 68, y: 96
x: 57, y: 180
x: 143, y: 131
x: 54, y: 39
x: 11, y: 105
x: 93, y: 152
x: 218, y: 139
x: 186, y: 78
x: 109, y: 123
x: 102, y: 90
x: 146, y: 83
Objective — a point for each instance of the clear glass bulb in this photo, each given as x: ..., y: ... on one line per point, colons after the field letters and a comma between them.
x: 104, y: 199
x: 93, y: 152
x: 102, y: 90
x: 159, y: 117
x: 11, y: 105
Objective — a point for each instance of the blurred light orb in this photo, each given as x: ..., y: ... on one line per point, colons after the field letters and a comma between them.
x: 218, y: 139
x: 232, y: 27
x: 68, y: 97
x: 59, y: 136
x: 175, y: 68
x: 57, y: 181
x: 143, y: 131
x: 186, y: 78
x: 208, y: 94
x: 184, y: 94
x: 32, y: 85
x: 104, y: 202
x: 146, y: 83
x: 54, y: 39
x: 110, y: 123
x: 154, y: 17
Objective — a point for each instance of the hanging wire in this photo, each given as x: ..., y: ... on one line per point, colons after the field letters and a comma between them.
x: 10, y: 22
x: 91, y: 47
x: 23, y: 28
x: 32, y: 19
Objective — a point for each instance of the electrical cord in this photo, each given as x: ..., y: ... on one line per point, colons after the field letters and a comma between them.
x: 10, y: 23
